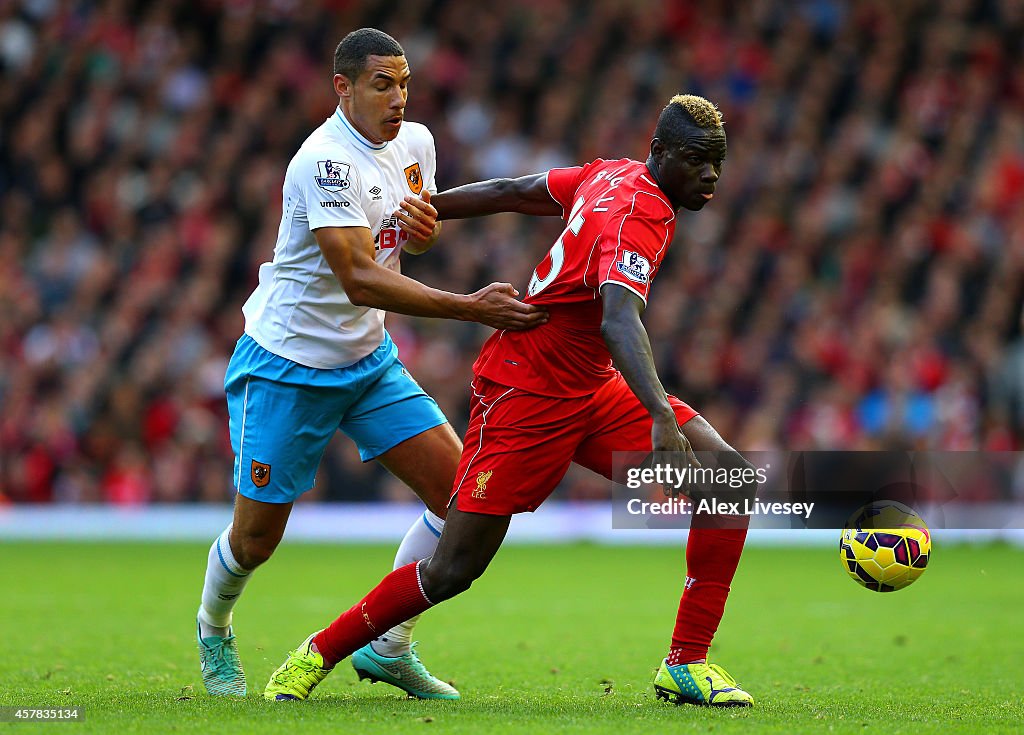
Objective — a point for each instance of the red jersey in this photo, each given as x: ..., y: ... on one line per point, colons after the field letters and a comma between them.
x: 618, y: 226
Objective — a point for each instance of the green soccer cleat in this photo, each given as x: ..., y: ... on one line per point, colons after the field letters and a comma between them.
x: 406, y: 672
x: 222, y: 671
x: 707, y: 685
x: 298, y: 675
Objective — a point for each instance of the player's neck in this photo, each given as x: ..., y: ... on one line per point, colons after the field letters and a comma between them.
x: 652, y: 169
x: 346, y: 121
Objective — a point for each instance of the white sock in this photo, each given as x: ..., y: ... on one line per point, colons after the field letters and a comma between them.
x: 419, y: 543
x: 225, y: 580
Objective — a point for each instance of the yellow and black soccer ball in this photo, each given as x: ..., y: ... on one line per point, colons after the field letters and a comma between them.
x: 885, y: 546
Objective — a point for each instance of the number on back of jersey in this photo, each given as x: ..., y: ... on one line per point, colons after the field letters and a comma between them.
x: 556, y: 255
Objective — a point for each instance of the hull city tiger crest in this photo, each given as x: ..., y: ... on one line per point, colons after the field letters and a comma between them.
x: 414, y: 177
x: 260, y: 474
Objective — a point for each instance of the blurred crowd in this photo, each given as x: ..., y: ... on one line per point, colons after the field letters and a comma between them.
x: 856, y: 283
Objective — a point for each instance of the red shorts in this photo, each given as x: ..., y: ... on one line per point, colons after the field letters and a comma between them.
x: 519, y: 445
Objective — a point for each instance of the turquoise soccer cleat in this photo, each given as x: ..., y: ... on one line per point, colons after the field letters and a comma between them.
x: 704, y: 684
x: 222, y: 671
x: 406, y: 672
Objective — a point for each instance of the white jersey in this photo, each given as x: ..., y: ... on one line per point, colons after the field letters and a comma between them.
x: 338, y: 178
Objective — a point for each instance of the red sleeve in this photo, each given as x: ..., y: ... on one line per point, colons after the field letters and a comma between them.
x: 632, y: 246
x: 562, y: 184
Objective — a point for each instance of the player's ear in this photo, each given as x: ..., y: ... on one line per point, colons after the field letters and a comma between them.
x: 657, y: 148
x: 342, y: 85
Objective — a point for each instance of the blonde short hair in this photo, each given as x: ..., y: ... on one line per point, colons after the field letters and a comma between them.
x: 703, y: 112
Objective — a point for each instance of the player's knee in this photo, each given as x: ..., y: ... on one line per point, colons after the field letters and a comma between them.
x: 251, y: 551
x: 436, y: 499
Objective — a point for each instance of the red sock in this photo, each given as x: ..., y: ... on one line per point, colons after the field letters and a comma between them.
x: 397, y: 598
x: 711, y: 559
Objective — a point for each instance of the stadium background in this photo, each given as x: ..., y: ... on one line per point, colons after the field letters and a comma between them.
x: 856, y: 283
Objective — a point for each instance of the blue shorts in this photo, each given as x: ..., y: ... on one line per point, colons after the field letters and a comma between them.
x: 282, y: 414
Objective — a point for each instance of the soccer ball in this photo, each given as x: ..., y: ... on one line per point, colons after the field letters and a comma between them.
x: 885, y: 546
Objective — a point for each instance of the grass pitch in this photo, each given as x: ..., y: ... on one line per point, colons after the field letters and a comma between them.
x: 553, y: 639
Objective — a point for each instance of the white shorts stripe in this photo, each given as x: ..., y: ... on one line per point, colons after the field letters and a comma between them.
x: 480, y: 441
x: 241, y: 438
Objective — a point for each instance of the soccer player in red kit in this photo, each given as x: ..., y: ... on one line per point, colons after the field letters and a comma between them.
x: 550, y: 396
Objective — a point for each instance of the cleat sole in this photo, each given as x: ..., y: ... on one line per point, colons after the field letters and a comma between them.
x: 677, y: 699
x: 363, y: 674
x: 366, y: 675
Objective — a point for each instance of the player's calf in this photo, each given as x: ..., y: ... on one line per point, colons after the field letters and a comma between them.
x: 467, y: 545
x: 442, y: 581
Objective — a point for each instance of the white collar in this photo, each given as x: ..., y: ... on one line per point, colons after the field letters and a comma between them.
x: 350, y: 128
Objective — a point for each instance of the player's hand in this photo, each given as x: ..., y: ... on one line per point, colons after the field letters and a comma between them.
x: 497, y: 306
x: 417, y: 218
x: 672, y: 449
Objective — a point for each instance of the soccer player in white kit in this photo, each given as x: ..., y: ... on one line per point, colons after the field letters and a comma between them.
x: 315, y: 357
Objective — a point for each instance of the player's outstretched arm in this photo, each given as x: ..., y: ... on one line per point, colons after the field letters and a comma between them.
x: 350, y: 253
x: 630, y: 348
x: 525, y: 195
